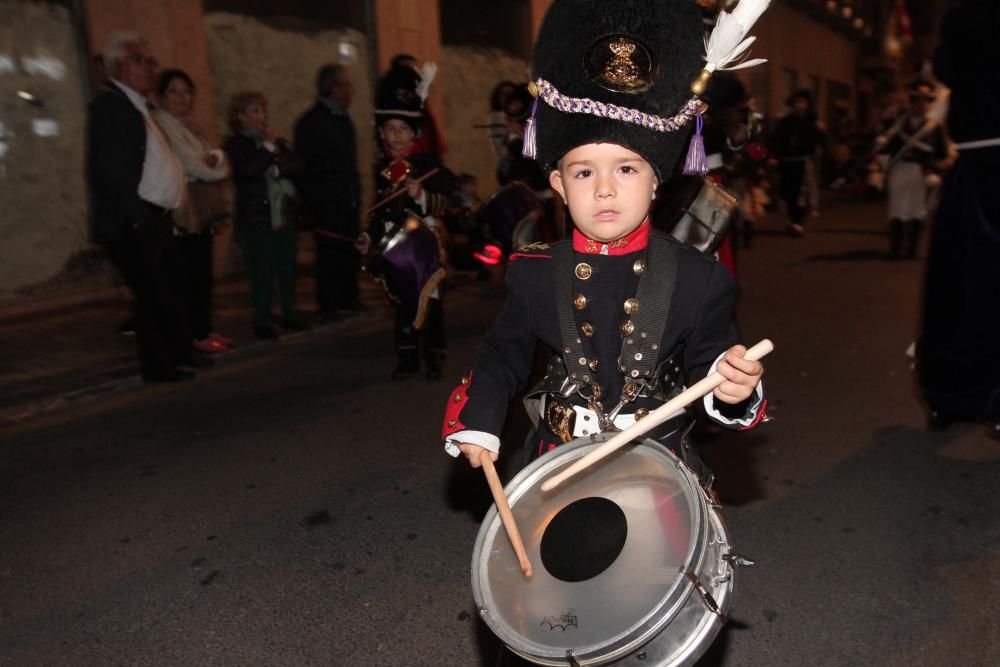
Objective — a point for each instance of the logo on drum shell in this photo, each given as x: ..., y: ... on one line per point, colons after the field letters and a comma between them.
x: 562, y: 622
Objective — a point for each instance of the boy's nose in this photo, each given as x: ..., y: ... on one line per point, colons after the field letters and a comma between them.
x: 604, y: 189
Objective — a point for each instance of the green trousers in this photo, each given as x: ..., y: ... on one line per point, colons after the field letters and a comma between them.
x: 270, y: 256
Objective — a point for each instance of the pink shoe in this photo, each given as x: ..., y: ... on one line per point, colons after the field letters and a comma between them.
x: 228, y: 342
x: 209, y: 346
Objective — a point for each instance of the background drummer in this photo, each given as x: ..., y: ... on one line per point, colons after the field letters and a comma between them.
x: 413, y: 189
x: 625, y: 346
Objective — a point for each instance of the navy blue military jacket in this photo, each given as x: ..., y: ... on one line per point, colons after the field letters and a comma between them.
x: 699, y: 328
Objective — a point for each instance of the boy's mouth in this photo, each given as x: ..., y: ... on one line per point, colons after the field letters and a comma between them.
x: 606, y: 214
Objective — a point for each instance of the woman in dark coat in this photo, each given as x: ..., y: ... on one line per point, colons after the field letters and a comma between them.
x: 262, y: 163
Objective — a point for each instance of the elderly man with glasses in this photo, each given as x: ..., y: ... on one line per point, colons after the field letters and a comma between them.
x: 136, y: 181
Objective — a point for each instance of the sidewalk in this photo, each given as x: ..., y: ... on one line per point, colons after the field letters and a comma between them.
x: 66, y: 349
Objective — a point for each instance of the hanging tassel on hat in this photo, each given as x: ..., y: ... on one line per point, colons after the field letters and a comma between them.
x: 529, y: 150
x: 696, y: 163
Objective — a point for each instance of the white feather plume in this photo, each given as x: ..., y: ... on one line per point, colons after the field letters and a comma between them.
x: 729, y: 40
x: 427, y: 73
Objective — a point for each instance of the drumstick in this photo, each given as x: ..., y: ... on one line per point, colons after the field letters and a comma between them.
x: 505, y: 514
x: 654, y: 418
x: 401, y: 190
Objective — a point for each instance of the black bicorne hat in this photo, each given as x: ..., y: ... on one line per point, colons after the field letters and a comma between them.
x: 627, y: 72
x: 397, y: 97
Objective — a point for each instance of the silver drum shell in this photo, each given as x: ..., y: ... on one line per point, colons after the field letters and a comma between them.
x: 647, y: 609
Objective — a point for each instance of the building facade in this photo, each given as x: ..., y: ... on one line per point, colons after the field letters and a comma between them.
x: 49, y: 50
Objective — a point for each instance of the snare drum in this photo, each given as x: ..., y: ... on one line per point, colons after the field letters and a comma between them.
x: 631, y: 562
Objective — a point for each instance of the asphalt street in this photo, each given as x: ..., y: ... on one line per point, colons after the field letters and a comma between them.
x: 293, y: 506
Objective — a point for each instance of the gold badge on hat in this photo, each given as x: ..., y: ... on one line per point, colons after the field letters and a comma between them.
x: 621, y: 63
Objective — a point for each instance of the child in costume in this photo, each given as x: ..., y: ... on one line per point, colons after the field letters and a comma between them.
x: 631, y: 315
x: 917, y: 146
x: 405, y: 232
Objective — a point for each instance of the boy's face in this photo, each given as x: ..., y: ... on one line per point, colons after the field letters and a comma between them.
x: 397, y: 135
x: 607, y: 187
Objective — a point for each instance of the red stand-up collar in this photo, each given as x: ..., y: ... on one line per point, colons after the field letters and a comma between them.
x: 637, y: 240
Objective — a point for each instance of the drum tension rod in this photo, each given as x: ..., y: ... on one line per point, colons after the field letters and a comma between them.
x: 706, y: 597
x: 738, y: 559
x: 572, y: 660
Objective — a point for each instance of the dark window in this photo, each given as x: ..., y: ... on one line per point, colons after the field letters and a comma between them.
x: 503, y: 24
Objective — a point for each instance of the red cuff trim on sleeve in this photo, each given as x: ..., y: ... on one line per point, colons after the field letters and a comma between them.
x: 456, y: 401
x: 758, y: 418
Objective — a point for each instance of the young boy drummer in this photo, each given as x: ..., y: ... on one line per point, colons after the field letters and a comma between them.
x: 631, y: 315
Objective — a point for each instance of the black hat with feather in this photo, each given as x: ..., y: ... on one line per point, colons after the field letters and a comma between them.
x: 400, y: 94
x: 630, y: 72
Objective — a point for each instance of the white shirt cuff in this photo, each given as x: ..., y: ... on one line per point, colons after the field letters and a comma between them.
x: 421, y: 201
x: 757, y: 401
x: 481, y: 438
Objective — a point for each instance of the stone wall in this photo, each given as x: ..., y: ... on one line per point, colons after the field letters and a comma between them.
x: 281, y: 63
x: 467, y: 76
x: 43, y: 216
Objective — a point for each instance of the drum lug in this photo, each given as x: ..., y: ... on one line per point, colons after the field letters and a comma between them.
x: 706, y: 597
x: 738, y: 560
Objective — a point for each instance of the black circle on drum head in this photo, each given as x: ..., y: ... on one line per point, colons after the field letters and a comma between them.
x: 583, y: 539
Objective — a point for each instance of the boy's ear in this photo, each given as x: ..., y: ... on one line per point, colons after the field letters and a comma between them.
x: 555, y: 180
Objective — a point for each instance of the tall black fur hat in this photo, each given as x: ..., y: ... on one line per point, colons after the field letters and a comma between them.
x: 396, y: 96
x: 621, y: 71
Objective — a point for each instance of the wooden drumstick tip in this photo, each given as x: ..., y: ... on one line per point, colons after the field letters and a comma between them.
x: 503, y: 508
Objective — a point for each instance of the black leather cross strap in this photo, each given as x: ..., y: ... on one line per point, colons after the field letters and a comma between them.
x: 572, y: 347
x: 640, y: 349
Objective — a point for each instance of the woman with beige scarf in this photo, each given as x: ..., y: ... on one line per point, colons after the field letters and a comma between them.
x: 206, y: 170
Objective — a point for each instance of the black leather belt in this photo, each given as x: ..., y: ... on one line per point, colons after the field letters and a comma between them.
x: 156, y: 211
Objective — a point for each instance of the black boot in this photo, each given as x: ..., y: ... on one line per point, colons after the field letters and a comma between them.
x: 435, y: 365
x: 407, y: 364
x: 746, y: 233
x: 895, y: 238
x: 914, y: 230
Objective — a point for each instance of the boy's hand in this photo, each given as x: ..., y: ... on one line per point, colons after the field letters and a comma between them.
x: 471, y: 452
x: 741, y: 376
x: 413, y: 188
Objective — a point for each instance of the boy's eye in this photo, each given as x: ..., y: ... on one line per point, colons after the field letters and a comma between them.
x: 583, y: 173
x: 627, y: 169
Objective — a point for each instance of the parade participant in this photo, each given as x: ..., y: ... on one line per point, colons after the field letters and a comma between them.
x: 917, y: 146
x: 959, y: 377
x: 796, y: 138
x: 725, y: 132
x: 412, y: 191
x: 633, y: 314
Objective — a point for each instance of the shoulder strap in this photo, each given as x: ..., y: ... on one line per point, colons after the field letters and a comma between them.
x: 640, y: 349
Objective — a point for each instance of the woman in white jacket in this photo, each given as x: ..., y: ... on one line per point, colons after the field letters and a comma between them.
x: 206, y: 206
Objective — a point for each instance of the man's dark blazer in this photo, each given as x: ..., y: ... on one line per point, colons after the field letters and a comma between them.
x: 330, y: 186
x: 116, y: 151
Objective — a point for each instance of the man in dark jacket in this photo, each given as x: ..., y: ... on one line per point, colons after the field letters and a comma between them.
x: 330, y: 188
x: 135, y: 182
